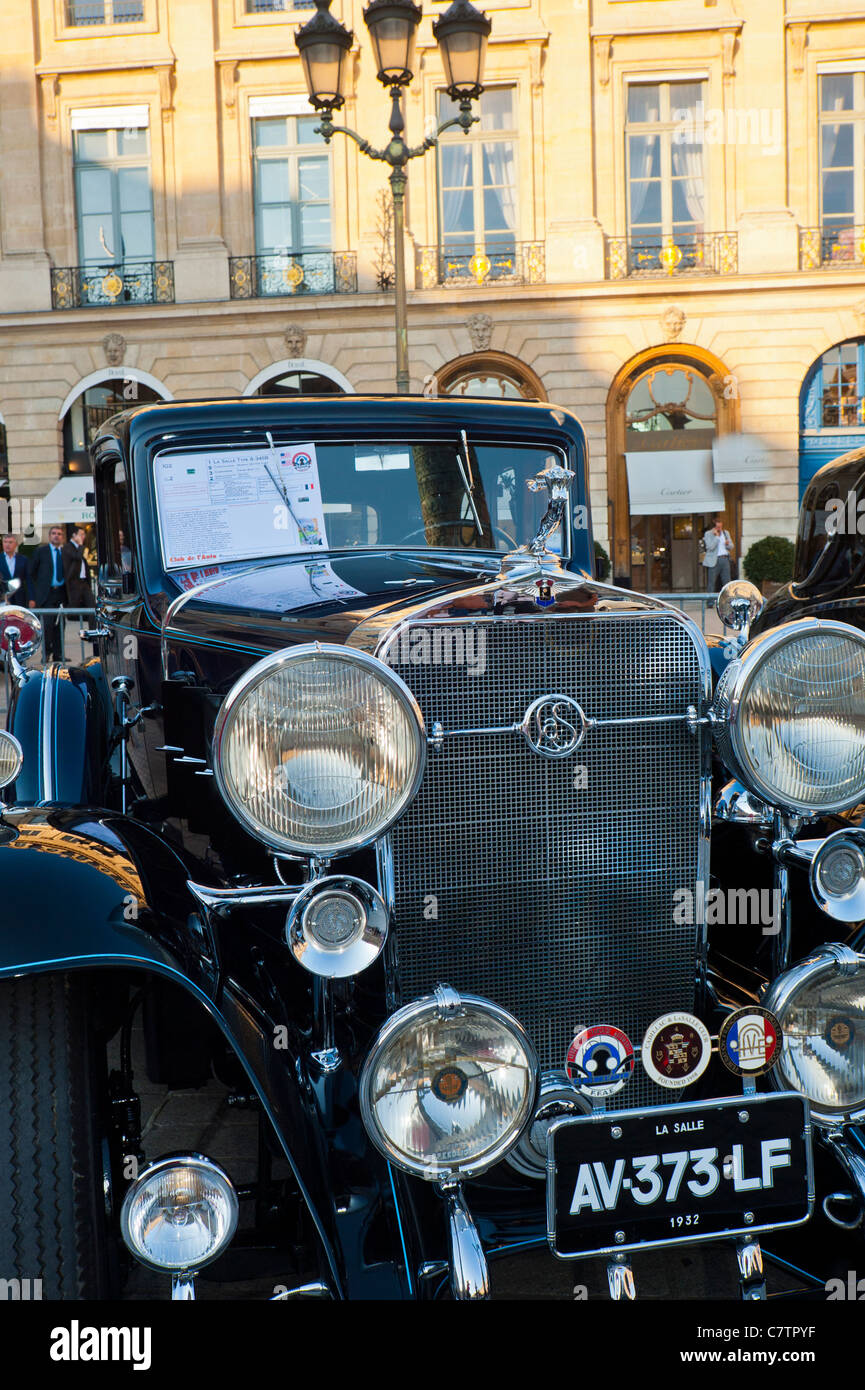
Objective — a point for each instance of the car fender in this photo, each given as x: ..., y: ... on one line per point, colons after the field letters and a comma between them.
x: 62, y: 717
x: 87, y: 889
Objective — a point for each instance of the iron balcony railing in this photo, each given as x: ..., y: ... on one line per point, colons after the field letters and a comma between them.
x: 302, y: 272
x: 515, y: 263
x: 820, y: 247
x: 134, y: 282
x: 712, y: 253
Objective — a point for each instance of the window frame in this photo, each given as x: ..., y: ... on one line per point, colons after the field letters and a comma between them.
x: 476, y: 138
x: 665, y: 128
x: 292, y: 153
x: 114, y: 164
x: 855, y: 117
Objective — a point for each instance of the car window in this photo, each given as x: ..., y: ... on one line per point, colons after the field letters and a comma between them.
x: 830, y: 548
x: 302, y: 496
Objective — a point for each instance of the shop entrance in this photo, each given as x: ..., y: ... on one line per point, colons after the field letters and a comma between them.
x: 665, y: 552
x: 666, y: 409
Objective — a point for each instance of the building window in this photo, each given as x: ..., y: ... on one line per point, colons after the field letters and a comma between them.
x: 277, y: 6
x: 113, y: 197
x: 90, y: 410
x: 665, y: 167
x: 477, y: 176
x: 842, y: 152
x: 495, y: 374
x: 292, y: 186
x: 300, y: 383
x: 81, y: 12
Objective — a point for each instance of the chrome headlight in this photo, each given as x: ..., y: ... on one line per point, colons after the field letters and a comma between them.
x: 11, y: 758
x: 337, y: 927
x: 820, y: 1005
x: 319, y: 749
x: 179, y: 1214
x: 449, y: 1085
x: 791, y: 716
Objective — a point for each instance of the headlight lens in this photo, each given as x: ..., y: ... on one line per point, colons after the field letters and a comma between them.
x: 448, y: 1086
x: 179, y: 1214
x: 792, y: 714
x: 820, y: 1005
x: 11, y: 758
x: 319, y: 749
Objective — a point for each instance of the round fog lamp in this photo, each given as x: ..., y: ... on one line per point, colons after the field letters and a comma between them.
x: 820, y: 1005
x: 337, y: 926
x: 837, y: 876
x: 179, y: 1214
x: 11, y: 758
x: 449, y: 1086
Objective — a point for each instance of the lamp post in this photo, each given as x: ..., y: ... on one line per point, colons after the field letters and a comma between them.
x: 323, y: 43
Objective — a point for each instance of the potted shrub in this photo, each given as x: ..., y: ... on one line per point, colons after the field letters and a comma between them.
x: 769, y: 563
x: 602, y: 561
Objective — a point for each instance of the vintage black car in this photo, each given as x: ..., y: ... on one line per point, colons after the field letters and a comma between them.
x: 377, y: 806
x: 829, y: 565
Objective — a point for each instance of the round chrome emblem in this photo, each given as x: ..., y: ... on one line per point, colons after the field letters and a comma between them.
x: 554, y: 726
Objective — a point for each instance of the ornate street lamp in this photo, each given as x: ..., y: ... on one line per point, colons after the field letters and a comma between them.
x: 323, y: 43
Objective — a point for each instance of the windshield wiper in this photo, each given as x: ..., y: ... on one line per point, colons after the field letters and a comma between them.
x: 468, y: 480
x: 277, y: 483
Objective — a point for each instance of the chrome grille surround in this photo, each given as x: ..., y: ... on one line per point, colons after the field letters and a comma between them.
x: 508, y: 878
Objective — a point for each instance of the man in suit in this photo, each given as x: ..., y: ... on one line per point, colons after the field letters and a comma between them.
x: 718, y: 557
x: 78, y: 589
x: 14, y: 566
x: 48, y: 590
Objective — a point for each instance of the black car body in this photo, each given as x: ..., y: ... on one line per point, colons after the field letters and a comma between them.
x: 391, y: 790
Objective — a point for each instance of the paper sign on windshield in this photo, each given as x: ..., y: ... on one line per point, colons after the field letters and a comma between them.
x: 238, y: 504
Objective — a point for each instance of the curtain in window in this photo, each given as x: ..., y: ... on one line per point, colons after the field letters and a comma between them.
x: 642, y: 159
x: 688, y: 166
x: 500, y: 171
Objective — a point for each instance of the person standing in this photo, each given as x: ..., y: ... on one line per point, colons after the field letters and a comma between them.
x: 48, y: 590
x: 75, y: 572
x: 14, y: 566
x: 718, y: 546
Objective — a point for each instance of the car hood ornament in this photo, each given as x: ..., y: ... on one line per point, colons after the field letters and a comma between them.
x: 557, y: 479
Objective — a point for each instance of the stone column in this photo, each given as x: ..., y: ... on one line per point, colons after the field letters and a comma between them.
x: 25, y: 281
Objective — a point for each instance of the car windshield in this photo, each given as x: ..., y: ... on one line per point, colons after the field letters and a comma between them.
x: 258, y: 501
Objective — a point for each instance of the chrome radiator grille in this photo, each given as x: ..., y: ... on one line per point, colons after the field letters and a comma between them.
x: 514, y: 881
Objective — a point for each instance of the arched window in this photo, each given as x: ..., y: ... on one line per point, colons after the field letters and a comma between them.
x: 664, y: 410
x: 91, y: 408
x: 300, y: 383
x: 832, y: 408
x: 493, y: 374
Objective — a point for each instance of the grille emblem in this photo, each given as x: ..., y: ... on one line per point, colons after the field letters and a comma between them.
x: 554, y: 726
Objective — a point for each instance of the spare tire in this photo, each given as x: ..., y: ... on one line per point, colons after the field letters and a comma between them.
x: 53, y: 1200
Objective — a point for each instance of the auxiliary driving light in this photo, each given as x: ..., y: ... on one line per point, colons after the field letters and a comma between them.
x: 337, y: 926
x: 837, y: 875
x: 179, y: 1214
x: 820, y: 1005
x: 11, y: 758
x: 449, y: 1086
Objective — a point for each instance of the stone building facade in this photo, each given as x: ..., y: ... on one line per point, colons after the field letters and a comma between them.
x: 660, y: 224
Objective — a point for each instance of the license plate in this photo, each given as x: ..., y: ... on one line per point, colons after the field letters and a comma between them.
x: 678, y: 1173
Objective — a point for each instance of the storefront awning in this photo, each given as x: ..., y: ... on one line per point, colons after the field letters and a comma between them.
x: 741, y: 458
x: 672, y: 483
x: 67, y: 501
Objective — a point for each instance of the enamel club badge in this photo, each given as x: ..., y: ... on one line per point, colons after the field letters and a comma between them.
x: 676, y: 1050
x: 750, y: 1041
x: 600, y: 1060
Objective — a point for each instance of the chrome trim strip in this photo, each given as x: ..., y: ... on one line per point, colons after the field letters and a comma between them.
x: 224, y: 900
x: 48, y: 702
